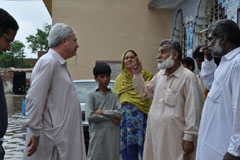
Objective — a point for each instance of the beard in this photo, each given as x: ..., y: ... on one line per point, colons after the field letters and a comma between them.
x: 217, y: 50
x: 165, y: 64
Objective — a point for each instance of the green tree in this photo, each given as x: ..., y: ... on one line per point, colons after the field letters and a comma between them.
x: 15, y: 57
x: 39, y: 42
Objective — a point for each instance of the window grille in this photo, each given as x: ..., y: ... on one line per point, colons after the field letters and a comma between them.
x: 214, y: 12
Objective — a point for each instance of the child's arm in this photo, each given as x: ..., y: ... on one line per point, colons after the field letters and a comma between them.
x: 92, y: 117
x: 116, y: 121
x: 116, y: 112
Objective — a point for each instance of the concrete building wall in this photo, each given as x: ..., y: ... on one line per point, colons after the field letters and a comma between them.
x: 107, y: 28
x: 188, y: 7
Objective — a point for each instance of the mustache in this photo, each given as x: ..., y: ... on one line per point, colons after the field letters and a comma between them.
x: 160, y: 60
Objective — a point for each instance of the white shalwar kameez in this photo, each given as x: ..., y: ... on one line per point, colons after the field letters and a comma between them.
x: 174, y: 114
x: 220, y: 124
x: 54, y: 112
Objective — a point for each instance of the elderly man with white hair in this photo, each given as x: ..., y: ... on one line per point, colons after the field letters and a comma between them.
x: 53, y: 114
x: 174, y: 115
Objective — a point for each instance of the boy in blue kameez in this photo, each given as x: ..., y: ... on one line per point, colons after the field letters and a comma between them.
x: 103, y: 113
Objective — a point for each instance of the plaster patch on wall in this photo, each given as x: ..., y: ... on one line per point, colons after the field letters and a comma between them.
x: 8, y: 87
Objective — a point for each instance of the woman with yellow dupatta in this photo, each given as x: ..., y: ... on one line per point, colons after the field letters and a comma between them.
x: 135, y: 109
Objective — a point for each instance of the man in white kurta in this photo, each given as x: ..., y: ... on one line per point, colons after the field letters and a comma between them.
x: 53, y: 114
x: 175, y: 111
x: 219, y: 133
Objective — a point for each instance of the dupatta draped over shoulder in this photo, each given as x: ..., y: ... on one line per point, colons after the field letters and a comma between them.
x: 127, y: 93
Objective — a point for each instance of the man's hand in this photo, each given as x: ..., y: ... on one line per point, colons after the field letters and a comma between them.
x: 188, y: 157
x: 99, y: 111
x: 136, y: 66
x: 229, y: 156
x: 115, y: 121
x: 188, y: 147
x: 206, y: 52
x: 33, y: 144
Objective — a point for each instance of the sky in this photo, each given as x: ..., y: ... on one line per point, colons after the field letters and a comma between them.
x: 30, y: 15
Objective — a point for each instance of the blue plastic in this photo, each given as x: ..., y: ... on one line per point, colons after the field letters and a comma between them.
x: 23, y: 107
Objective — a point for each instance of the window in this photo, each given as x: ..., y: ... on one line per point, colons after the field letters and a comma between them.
x: 179, y: 33
x: 213, y: 12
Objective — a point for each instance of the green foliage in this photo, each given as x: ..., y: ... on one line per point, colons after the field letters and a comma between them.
x: 15, y: 57
x: 39, y: 42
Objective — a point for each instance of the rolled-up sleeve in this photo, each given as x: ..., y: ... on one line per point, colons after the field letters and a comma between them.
x: 207, y: 72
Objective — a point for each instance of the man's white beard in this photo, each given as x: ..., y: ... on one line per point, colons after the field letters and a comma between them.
x: 167, y: 63
x: 217, y: 50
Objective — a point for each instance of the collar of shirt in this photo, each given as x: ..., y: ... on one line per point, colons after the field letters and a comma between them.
x: 57, y: 56
x: 231, y: 54
x: 109, y: 89
x: 177, y: 73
